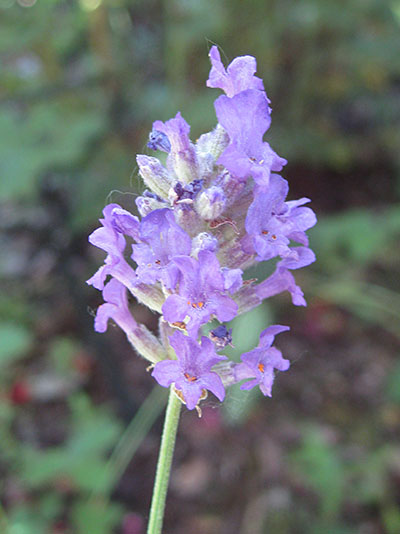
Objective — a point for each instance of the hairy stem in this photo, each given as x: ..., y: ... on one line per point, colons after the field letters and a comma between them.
x: 164, y: 464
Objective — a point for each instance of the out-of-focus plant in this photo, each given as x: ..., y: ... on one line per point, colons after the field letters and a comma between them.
x: 350, y: 245
x: 79, y: 80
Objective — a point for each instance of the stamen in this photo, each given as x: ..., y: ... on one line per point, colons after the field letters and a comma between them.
x: 179, y: 324
x: 196, y: 305
x: 261, y: 367
x: 189, y: 377
x: 265, y: 232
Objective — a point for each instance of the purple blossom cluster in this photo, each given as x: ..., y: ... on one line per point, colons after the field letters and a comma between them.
x: 215, y: 209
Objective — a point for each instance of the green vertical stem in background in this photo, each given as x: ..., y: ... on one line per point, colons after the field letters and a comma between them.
x: 4, y: 526
x: 164, y: 464
x: 129, y: 443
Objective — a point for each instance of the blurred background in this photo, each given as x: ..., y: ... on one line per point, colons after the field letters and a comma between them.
x: 81, y: 83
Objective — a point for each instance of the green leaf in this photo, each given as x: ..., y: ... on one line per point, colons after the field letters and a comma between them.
x: 81, y: 459
x: 15, y: 340
x: 393, y: 385
x: 95, y: 517
x: 391, y: 519
x: 322, y: 469
x: 94, y: 429
x: 62, y: 351
x: 48, y: 136
x: 357, y: 236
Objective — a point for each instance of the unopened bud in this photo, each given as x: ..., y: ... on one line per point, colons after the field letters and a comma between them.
x: 211, y: 203
x: 148, y: 203
x: 155, y: 176
x: 221, y: 336
x: 212, y: 144
x: 159, y: 141
x: 204, y: 241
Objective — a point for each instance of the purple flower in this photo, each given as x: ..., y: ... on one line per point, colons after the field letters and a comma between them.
x: 110, y: 239
x: 232, y: 279
x: 260, y: 363
x: 191, y: 372
x: 283, y: 280
x: 115, y: 307
x: 271, y: 222
x: 202, y: 293
x: 246, y: 118
x: 214, y: 209
x: 161, y: 239
x: 124, y: 222
x: 238, y: 77
x: 177, y: 132
x: 182, y: 156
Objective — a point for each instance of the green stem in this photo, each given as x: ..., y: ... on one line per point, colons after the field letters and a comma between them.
x: 164, y: 464
x: 3, y: 520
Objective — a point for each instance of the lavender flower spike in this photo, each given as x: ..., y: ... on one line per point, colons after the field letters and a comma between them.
x: 215, y: 209
x: 212, y: 211
x: 191, y: 373
x: 260, y: 363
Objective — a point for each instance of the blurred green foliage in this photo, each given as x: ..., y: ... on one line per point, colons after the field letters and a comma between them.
x: 80, y: 458
x: 81, y: 83
x: 350, y: 246
x: 15, y: 341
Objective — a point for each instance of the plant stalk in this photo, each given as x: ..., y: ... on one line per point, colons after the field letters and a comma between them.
x: 164, y: 464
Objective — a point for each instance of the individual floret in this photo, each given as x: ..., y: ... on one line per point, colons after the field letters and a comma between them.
x: 192, y: 372
x: 260, y: 363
